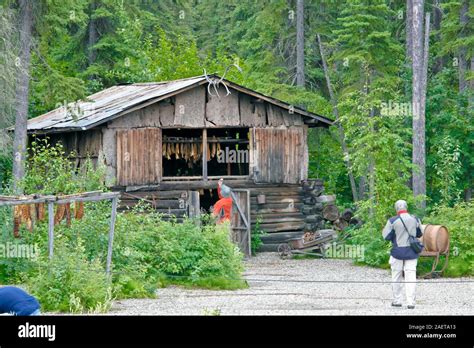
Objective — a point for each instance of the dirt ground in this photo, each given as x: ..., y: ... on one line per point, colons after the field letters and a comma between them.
x: 297, y: 287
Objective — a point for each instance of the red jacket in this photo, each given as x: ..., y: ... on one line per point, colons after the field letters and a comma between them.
x: 224, y: 203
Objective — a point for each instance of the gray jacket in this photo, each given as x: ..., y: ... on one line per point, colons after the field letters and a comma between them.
x: 394, y: 231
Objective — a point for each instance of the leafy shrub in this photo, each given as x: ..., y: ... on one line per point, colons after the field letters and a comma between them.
x: 70, y: 282
x: 50, y: 171
x: 376, y: 249
x: 181, y: 253
x: 459, y: 221
x: 256, y: 236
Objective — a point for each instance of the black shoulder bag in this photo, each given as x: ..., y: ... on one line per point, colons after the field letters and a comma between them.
x: 414, y: 242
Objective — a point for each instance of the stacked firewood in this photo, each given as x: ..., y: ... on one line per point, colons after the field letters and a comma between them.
x: 321, y: 210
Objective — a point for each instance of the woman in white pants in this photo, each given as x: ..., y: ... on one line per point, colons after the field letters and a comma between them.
x: 402, y: 257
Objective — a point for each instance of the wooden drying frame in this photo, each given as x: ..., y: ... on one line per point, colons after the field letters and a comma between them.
x: 80, y: 197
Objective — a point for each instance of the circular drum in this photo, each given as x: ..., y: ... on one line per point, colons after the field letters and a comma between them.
x: 435, y: 238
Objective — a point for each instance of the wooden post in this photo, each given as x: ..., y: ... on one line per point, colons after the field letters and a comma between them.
x: 204, y: 154
x: 50, y: 229
x: 111, y: 235
x: 194, y: 208
x: 249, y: 226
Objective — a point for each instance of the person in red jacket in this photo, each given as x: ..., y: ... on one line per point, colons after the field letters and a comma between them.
x: 223, y: 207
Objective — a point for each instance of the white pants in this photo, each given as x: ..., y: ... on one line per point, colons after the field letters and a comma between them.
x: 409, y: 267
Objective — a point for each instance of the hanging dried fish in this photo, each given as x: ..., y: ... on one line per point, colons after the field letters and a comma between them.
x: 213, y: 149
x: 40, y: 211
x: 32, y: 214
x: 193, y: 151
x: 168, y: 151
x: 67, y: 214
x: 59, y: 215
x: 176, y: 150
x: 16, y: 226
x: 208, y: 153
x: 78, y: 210
x: 16, y: 220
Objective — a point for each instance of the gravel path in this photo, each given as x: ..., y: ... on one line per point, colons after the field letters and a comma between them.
x: 283, y: 297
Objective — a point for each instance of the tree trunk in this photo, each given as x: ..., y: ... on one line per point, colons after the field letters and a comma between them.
x: 419, y: 161
x: 20, y: 139
x: 335, y: 111
x: 92, y: 37
x: 362, y: 187
x: 463, y: 21
x: 440, y: 62
x: 409, y: 30
x: 426, y: 49
x: 300, y: 79
x: 371, y: 172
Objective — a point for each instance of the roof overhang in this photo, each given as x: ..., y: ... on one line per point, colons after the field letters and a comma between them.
x: 117, y: 101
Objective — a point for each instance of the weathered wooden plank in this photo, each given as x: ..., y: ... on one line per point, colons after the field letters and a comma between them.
x: 166, y: 112
x: 223, y: 110
x: 276, y: 209
x: 252, y: 113
x: 278, y: 227
x: 279, y: 199
x: 275, y: 116
x: 138, y: 156
x: 155, y: 194
x: 281, y: 237
x: 190, y: 107
x: 281, y: 219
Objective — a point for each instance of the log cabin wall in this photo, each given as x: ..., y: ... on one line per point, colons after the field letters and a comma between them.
x: 281, y: 216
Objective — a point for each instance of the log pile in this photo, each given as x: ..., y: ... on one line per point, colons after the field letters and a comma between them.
x: 321, y: 211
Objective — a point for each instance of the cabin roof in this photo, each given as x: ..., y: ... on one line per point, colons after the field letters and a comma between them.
x: 119, y: 100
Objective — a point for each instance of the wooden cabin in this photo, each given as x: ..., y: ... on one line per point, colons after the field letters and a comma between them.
x: 169, y: 142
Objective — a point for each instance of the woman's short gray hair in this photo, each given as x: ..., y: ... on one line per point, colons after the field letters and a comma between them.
x: 401, y: 205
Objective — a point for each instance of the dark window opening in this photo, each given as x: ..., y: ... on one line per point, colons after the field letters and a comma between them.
x: 182, y: 152
x: 229, y: 152
x: 207, y: 198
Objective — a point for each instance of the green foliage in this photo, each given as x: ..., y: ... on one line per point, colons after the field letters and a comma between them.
x: 458, y: 219
x: 71, y: 282
x: 256, y: 236
x: 376, y: 249
x: 181, y: 252
x: 5, y: 169
x: 447, y: 170
x: 50, y: 171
